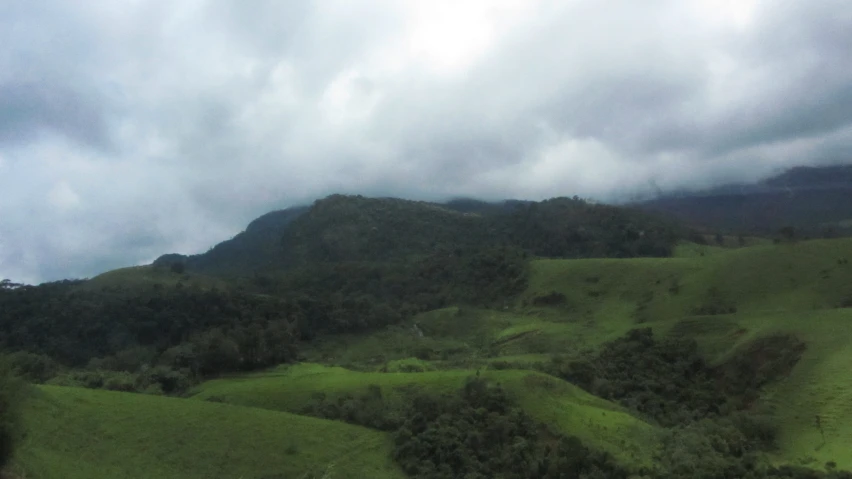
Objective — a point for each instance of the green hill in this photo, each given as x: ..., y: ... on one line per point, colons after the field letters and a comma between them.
x: 727, y: 300
x: 354, y: 228
x: 87, y: 434
x: 571, y: 410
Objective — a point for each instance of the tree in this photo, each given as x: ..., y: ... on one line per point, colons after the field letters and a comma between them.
x: 11, y: 393
x: 7, y: 284
x: 788, y: 233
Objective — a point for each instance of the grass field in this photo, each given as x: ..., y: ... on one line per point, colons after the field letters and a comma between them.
x: 91, y: 434
x: 549, y: 400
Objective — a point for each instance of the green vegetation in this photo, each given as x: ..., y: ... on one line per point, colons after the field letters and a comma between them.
x: 477, y: 433
x: 87, y: 434
x: 332, y: 391
x: 12, y: 391
x: 572, y: 336
x: 155, y: 338
x: 673, y: 385
x: 342, y: 229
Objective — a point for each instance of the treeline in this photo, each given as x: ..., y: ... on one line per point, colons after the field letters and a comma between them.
x: 159, y: 337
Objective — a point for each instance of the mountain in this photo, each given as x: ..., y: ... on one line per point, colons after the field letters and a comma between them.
x: 253, y: 249
x: 817, y: 201
x: 355, y: 228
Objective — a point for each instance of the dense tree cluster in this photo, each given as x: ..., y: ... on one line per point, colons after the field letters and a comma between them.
x: 573, y: 228
x: 11, y: 393
x: 478, y: 433
x: 664, y: 380
x: 366, y: 409
x: 188, y: 331
x: 357, y: 296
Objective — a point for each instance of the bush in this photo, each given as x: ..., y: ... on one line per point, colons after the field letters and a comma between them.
x: 368, y: 409
x: 120, y: 381
x: 36, y: 368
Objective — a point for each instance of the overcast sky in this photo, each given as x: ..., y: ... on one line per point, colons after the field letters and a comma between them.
x: 135, y: 128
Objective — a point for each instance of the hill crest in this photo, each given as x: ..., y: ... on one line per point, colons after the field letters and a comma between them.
x: 341, y: 228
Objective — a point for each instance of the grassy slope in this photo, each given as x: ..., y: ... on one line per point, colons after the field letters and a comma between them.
x: 819, y: 385
x: 788, y: 288
x: 88, y: 434
x: 549, y: 400
x: 607, y: 294
x: 793, y: 288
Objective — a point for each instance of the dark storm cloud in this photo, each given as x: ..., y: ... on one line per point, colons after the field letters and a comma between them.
x: 134, y: 129
x: 28, y: 110
x: 46, y: 82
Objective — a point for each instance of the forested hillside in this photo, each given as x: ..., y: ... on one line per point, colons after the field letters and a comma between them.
x: 354, y: 228
x: 346, y: 264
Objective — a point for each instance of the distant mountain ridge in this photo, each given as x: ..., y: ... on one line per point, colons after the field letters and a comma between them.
x: 343, y: 228
x: 815, y: 200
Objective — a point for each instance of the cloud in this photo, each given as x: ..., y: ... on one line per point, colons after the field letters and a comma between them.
x: 134, y: 129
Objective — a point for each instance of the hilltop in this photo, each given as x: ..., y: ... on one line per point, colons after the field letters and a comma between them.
x: 354, y: 228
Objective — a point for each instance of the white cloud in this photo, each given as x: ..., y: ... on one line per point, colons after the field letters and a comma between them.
x: 156, y: 127
x: 63, y: 197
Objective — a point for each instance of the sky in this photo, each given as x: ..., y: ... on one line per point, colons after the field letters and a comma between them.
x: 136, y: 128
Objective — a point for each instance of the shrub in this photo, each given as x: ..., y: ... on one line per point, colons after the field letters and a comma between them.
x: 119, y: 381
x: 36, y: 368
